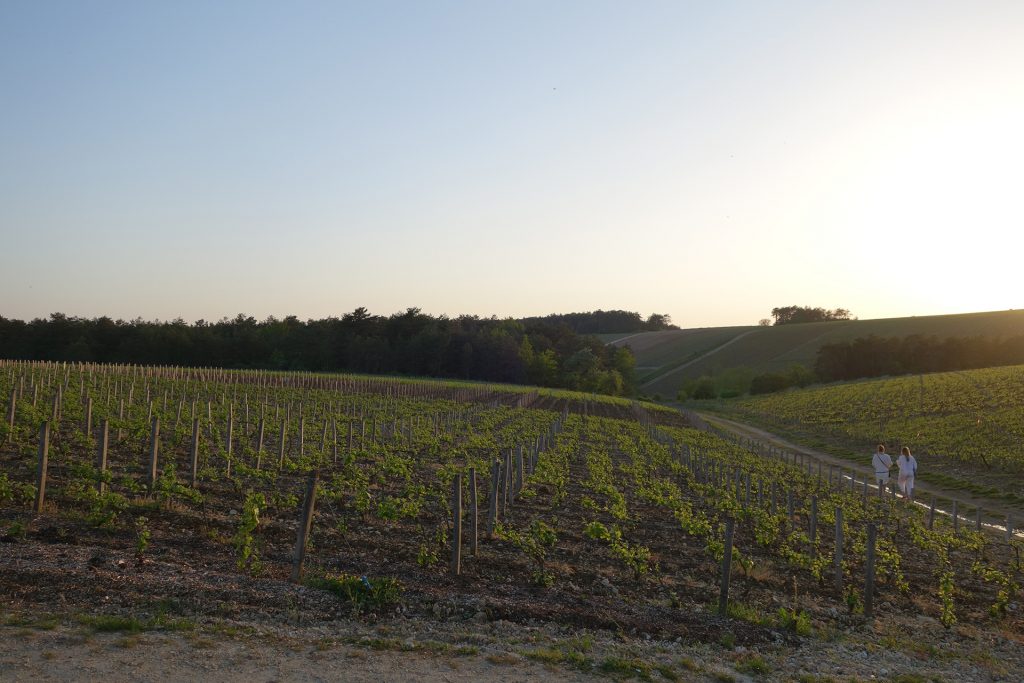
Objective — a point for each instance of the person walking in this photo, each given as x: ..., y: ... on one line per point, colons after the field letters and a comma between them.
x: 882, y: 462
x: 908, y: 470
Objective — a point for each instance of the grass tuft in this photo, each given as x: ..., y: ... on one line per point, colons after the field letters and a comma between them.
x: 753, y: 664
x: 667, y: 672
x: 622, y: 668
x: 115, y: 623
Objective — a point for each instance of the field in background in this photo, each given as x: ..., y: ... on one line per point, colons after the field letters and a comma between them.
x: 658, y: 352
x: 659, y: 355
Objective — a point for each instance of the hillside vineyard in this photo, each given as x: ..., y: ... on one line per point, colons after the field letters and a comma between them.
x: 974, y: 416
x: 443, y: 498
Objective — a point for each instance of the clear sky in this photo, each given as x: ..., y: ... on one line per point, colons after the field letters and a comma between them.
x: 707, y: 160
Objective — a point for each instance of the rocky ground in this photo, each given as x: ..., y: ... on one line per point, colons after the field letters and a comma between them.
x: 112, y: 619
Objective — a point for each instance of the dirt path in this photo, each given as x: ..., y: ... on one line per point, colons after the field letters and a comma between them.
x: 923, y: 491
x: 65, y: 652
x: 64, y: 655
x: 626, y: 338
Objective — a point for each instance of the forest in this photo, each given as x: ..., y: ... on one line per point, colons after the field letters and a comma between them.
x: 537, y: 352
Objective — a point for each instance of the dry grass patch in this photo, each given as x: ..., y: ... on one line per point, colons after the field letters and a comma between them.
x: 503, y: 659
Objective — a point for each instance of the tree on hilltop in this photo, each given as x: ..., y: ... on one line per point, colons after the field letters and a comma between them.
x: 659, y: 321
x: 789, y: 315
x: 599, y: 322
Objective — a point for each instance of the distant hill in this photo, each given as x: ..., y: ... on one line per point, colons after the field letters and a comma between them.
x: 668, y: 358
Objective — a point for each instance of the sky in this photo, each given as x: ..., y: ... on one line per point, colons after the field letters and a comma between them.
x: 711, y: 161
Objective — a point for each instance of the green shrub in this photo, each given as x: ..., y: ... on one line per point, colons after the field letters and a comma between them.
x: 167, y: 488
x: 142, y: 535
x: 743, y: 612
x: 15, y: 492
x: 244, y: 538
x: 854, y: 604
x: 536, y: 544
x: 795, y: 620
x: 704, y: 388
x: 360, y: 592
x: 597, y: 531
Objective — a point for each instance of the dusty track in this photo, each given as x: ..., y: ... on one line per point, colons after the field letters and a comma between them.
x: 65, y: 654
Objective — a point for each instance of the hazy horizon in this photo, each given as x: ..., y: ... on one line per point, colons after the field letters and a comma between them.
x: 339, y: 315
x: 195, y: 161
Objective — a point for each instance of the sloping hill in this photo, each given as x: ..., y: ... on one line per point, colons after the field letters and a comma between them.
x: 667, y: 359
x: 660, y: 352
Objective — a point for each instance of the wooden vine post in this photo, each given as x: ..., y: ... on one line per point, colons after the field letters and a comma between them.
x: 334, y: 440
x: 120, y: 419
x: 154, y: 449
x: 838, y: 557
x: 519, y: 469
x: 456, y: 562
x: 10, y: 415
x: 229, y: 438
x: 283, y: 444
x: 723, y: 596
x: 473, y: 513
x: 305, y: 526
x: 492, y: 499
x: 87, y: 423
x: 44, y: 454
x: 508, y: 496
x: 812, y: 533
x: 260, y: 431
x: 869, y: 572
x: 101, y: 456
x: 194, y: 452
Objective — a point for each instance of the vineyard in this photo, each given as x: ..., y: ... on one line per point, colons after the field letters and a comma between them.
x: 967, y: 424
x: 198, y: 494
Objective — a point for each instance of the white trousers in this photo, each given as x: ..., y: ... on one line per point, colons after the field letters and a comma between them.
x: 907, y: 485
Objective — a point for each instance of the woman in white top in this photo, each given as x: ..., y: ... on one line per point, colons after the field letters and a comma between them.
x: 881, y: 462
x: 908, y: 468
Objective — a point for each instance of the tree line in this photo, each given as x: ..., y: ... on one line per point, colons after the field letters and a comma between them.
x: 874, y: 356
x: 602, y: 322
x: 536, y: 352
x: 790, y: 315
